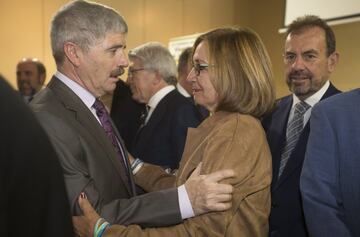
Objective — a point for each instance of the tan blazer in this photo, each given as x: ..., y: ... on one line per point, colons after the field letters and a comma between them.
x: 225, y: 140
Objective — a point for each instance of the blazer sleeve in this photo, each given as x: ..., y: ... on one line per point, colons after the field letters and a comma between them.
x: 251, y: 198
x: 153, y: 178
x: 319, y: 180
x: 153, y: 209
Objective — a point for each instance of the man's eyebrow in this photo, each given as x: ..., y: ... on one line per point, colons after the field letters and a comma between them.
x: 117, y: 46
x: 305, y: 52
x: 311, y: 51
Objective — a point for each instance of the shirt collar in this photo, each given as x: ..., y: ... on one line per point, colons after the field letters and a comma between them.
x: 81, y: 92
x: 155, y: 99
x: 315, y: 98
x: 182, y: 91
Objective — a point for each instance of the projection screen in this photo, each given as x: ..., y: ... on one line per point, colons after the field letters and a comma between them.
x: 330, y: 10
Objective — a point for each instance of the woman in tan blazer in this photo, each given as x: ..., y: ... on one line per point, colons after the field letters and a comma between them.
x: 232, y: 78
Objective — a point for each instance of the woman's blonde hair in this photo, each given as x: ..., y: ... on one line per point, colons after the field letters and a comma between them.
x: 241, y: 71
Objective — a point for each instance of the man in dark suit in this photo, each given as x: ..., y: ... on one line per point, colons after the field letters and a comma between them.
x: 152, y: 75
x: 183, y: 86
x: 330, y: 179
x: 33, y: 199
x: 126, y: 112
x: 88, y: 43
x: 310, y: 58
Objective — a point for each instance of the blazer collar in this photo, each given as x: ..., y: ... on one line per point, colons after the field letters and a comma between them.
x: 194, y: 140
x: 89, y: 123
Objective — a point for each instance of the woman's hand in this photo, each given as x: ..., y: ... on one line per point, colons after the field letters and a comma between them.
x: 84, y: 225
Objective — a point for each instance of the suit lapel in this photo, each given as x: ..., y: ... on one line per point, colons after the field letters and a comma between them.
x: 89, y: 124
x: 330, y: 91
x: 126, y: 159
x: 277, y: 133
x: 146, y: 132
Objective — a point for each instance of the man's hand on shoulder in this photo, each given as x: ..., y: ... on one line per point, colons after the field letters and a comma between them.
x: 205, y: 192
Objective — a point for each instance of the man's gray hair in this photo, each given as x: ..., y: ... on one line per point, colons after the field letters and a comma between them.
x: 154, y: 56
x: 83, y: 23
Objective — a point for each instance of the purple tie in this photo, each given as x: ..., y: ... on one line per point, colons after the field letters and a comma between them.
x: 106, y: 124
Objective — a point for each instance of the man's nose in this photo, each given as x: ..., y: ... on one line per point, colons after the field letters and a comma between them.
x: 123, y: 60
x: 191, y: 76
x: 298, y: 63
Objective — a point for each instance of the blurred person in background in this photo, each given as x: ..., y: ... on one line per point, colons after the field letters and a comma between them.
x: 160, y: 139
x: 183, y: 85
x: 30, y: 77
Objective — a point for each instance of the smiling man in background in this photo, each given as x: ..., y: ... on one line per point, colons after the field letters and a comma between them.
x: 310, y: 57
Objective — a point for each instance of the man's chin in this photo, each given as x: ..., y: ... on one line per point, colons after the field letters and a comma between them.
x: 302, y: 93
x: 26, y: 91
x: 138, y: 99
x: 298, y: 88
x: 110, y: 88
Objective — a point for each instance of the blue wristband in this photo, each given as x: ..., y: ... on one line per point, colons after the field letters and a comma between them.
x: 96, y: 226
x: 102, y: 228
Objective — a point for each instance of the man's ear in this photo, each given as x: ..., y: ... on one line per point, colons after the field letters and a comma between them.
x: 73, y: 53
x: 333, y: 60
x: 157, y: 78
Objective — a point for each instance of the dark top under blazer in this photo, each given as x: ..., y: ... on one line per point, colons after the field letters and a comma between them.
x: 286, y: 217
x: 161, y: 141
x: 33, y: 199
x: 90, y: 163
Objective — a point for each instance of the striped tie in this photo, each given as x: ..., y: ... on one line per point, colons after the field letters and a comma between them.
x: 293, y: 132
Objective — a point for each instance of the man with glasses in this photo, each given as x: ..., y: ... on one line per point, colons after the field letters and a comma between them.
x: 310, y: 58
x: 160, y: 139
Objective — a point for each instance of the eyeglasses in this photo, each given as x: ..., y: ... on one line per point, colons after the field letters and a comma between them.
x: 132, y: 71
x: 198, y: 67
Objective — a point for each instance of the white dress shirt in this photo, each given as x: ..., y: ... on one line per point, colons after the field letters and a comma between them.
x: 312, y: 100
x: 156, y: 98
x: 86, y: 97
x: 182, y: 90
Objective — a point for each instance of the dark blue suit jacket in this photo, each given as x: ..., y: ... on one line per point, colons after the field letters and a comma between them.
x: 330, y: 179
x: 286, y: 217
x: 161, y: 141
x: 126, y: 112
